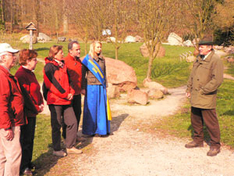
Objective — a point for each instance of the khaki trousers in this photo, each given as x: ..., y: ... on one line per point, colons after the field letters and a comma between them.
x: 10, y: 153
x: 209, y: 117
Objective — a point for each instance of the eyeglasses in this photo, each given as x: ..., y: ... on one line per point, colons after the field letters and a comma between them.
x: 10, y: 54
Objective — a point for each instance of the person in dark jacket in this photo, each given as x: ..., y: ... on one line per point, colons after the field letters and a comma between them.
x: 11, y: 113
x: 27, y: 79
x: 59, y: 93
x: 204, y: 80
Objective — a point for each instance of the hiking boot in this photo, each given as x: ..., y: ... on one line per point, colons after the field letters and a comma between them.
x: 213, y: 151
x: 74, y: 150
x: 193, y: 144
x: 59, y: 153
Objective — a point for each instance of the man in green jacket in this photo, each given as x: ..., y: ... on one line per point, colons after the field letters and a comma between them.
x: 204, y: 80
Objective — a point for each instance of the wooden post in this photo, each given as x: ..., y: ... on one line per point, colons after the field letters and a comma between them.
x: 31, y: 27
x: 31, y: 39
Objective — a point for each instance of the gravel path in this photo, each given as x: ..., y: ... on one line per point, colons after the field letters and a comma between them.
x: 132, y: 152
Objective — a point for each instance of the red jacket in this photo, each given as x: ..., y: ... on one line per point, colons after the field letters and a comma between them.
x: 11, y: 101
x: 74, y: 68
x: 57, y: 83
x: 28, y: 80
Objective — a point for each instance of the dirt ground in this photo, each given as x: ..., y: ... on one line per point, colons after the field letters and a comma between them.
x: 132, y: 152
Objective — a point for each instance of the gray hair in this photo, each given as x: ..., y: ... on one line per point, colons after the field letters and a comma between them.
x: 70, y: 45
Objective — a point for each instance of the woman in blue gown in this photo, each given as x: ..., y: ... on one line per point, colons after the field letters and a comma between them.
x: 95, y: 114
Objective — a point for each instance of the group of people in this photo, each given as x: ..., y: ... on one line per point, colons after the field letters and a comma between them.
x: 65, y: 79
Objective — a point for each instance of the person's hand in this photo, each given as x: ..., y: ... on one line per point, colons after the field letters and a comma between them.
x: 69, y: 96
x: 83, y: 92
x: 9, y: 134
x: 188, y: 94
x: 41, y: 108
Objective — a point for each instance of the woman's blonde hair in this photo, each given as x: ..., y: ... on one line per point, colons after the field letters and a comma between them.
x: 92, y: 47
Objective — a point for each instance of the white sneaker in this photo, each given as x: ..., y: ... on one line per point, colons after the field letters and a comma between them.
x: 60, y: 153
x: 74, y: 150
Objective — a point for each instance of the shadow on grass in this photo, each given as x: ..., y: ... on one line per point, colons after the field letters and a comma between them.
x: 45, y: 162
x: 42, y: 49
x: 205, y: 131
x: 229, y: 113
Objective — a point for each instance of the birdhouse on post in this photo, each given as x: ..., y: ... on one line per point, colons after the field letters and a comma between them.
x: 31, y: 27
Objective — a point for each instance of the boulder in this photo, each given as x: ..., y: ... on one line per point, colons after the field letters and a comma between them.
x: 120, y: 74
x: 138, y: 38
x: 174, y: 39
x: 43, y: 38
x: 137, y: 96
x: 220, y: 53
x: 145, y: 53
x: 155, y: 94
x: 188, y: 43
x: 229, y: 50
x: 26, y: 39
x: 113, y: 91
x: 130, y: 39
x: 154, y: 85
x: 61, y: 39
x: 110, y: 39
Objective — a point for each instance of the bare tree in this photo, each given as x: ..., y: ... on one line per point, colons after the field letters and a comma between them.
x: 199, y: 17
x: 154, y: 21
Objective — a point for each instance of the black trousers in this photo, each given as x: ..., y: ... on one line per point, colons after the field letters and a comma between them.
x: 27, y: 140
x: 57, y: 113
x: 209, y: 117
x: 76, y: 104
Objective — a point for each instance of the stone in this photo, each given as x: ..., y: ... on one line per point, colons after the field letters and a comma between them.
x: 229, y: 50
x: 154, y: 85
x: 174, y: 39
x: 138, y: 38
x: 155, y: 94
x: 130, y: 39
x: 137, y: 96
x: 120, y: 74
x: 43, y: 37
x: 61, y: 39
x: 26, y: 39
x: 145, y: 53
x: 188, y: 43
x: 113, y: 91
x: 111, y: 39
x: 220, y: 53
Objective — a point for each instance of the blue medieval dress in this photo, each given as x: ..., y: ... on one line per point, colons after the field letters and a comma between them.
x: 96, y: 113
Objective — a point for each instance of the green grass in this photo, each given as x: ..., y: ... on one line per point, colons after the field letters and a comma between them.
x: 179, y: 125
x: 168, y: 70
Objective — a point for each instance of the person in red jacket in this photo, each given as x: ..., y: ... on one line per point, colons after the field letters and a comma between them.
x: 59, y: 93
x: 27, y: 79
x: 11, y: 113
x: 74, y: 66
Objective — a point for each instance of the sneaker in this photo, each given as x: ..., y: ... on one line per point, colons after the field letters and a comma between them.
x: 60, y: 153
x: 74, y: 150
x: 193, y: 144
x: 27, y: 171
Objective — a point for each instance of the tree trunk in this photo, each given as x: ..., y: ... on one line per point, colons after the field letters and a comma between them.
x: 116, y: 52
x: 149, y: 71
